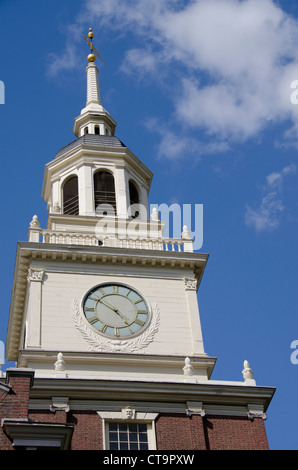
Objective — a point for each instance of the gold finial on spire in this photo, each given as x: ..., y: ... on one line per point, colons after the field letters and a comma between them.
x: 91, y: 57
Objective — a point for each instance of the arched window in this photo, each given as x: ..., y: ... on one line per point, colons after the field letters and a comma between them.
x: 133, y: 200
x: 104, y: 193
x: 71, y: 196
x: 96, y: 130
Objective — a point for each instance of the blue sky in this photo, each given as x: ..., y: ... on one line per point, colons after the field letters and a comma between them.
x: 201, y: 94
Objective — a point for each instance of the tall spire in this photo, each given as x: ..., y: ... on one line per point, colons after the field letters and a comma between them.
x: 93, y: 118
x: 93, y: 94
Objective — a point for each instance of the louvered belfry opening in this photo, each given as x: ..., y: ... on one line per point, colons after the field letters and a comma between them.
x: 71, y: 196
x: 104, y: 193
x: 133, y: 200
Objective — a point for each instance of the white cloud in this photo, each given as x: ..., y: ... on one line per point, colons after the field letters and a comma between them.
x: 248, y: 49
x: 177, y: 146
x: 234, y: 59
x: 140, y: 62
x: 65, y: 62
x: 268, y: 215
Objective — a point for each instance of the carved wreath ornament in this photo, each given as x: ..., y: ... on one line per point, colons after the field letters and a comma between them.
x: 101, y: 344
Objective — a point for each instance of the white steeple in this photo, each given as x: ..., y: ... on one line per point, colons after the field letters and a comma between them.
x: 96, y: 175
x: 93, y: 119
x: 93, y: 94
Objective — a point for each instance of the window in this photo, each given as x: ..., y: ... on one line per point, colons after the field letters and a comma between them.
x: 71, y: 196
x: 133, y: 200
x: 104, y: 193
x: 128, y: 429
x: 128, y: 436
x: 96, y: 130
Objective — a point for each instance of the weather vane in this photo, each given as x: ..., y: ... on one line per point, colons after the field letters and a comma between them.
x: 91, y: 57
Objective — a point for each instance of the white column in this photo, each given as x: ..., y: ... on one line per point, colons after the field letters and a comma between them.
x: 86, y: 204
x: 194, y: 315
x: 33, y: 332
x: 56, y: 194
x: 121, y: 189
x: 144, y: 202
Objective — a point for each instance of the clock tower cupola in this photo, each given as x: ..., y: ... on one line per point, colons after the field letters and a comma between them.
x: 95, y: 175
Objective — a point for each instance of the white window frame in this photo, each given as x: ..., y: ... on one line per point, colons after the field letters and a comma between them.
x: 134, y: 417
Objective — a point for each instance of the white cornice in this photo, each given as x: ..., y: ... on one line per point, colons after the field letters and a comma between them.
x: 214, y: 397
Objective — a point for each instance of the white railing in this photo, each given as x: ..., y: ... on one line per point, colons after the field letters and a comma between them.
x: 71, y: 238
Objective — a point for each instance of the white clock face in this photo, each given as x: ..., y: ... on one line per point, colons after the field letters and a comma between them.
x: 116, y: 310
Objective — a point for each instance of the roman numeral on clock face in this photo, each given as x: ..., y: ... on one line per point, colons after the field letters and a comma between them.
x: 103, y: 328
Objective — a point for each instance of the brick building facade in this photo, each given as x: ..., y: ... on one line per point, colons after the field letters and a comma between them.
x: 65, y: 427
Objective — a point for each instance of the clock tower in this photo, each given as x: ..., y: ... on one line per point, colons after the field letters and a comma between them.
x: 104, y: 323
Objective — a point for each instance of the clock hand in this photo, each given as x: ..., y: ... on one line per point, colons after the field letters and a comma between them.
x: 114, y: 309
x: 125, y: 319
x: 109, y: 305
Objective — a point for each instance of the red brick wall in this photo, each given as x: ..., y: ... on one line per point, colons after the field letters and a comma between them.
x: 14, y: 404
x: 87, y: 434
x: 235, y: 433
x: 213, y: 433
x: 47, y: 416
x: 179, y: 432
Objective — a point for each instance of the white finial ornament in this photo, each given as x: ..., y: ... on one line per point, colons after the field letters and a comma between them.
x: 185, y: 233
x: 154, y: 215
x: 60, y: 367
x: 188, y: 368
x: 60, y: 364
x: 34, y: 222
x: 248, y: 374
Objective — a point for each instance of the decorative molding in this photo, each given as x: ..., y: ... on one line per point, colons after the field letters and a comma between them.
x: 56, y: 209
x: 35, y: 275
x: 128, y: 413
x: 256, y: 411
x: 190, y: 284
x: 118, y: 415
x: 102, y: 344
x: 195, y: 408
x: 60, y: 404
